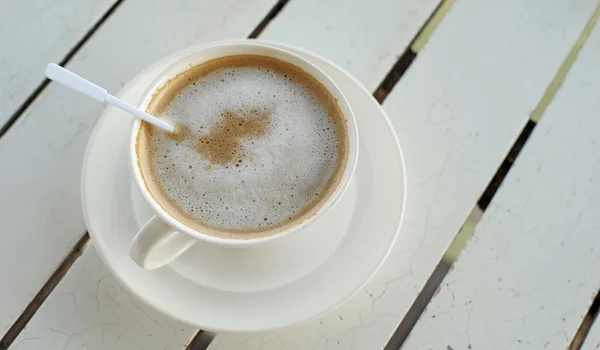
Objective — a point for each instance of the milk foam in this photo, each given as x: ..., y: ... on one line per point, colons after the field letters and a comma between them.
x: 277, y: 152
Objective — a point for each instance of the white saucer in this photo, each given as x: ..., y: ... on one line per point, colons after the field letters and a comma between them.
x: 293, y: 280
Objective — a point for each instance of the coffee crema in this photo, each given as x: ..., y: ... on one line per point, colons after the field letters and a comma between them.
x: 259, y: 146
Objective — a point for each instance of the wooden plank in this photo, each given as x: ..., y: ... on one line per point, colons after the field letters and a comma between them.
x: 89, y: 309
x: 42, y: 154
x: 364, y: 40
x: 456, y: 111
x: 532, y: 268
x: 33, y: 33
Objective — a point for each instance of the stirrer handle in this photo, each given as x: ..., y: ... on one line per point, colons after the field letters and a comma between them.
x: 75, y: 82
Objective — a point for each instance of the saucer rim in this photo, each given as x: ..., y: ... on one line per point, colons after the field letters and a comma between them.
x: 306, y: 318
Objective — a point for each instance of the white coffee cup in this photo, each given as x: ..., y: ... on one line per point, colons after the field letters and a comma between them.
x: 163, y: 238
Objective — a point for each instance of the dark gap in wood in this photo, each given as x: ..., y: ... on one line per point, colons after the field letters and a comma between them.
x: 507, y: 163
x: 201, y: 341
x: 595, y: 307
x: 418, y: 307
x: 394, y: 75
x: 404, y: 61
x: 17, y: 114
x: 586, y: 324
x: 268, y: 18
x: 44, y: 292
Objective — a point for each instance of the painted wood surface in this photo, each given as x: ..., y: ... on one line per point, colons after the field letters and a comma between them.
x: 42, y: 154
x: 33, y: 33
x: 89, y: 309
x: 456, y: 111
x: 532, y: 268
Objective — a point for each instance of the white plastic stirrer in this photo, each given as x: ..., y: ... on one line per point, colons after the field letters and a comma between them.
x: 75, y: 82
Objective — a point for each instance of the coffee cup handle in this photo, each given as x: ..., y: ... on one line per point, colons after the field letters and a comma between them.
x: 157, y: 244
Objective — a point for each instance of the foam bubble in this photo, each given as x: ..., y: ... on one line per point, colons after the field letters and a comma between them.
x: 254, y: 149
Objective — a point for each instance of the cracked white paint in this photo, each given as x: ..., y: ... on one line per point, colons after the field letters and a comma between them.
x: 457, y: 110
x: 531, y: 270
x: 42, y: 153
x: 89, y: 309
x: 33, y: 33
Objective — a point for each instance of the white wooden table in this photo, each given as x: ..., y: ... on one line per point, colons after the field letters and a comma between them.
x: 490, y: 73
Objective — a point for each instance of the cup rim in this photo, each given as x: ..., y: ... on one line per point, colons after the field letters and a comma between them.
x: 296, y: 60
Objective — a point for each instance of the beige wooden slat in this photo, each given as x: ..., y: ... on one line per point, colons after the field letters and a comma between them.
x: 42, y: 154
x: 33, y: 33
x: 532, y: 268
x: 365, y: 39
x: 457, y: 111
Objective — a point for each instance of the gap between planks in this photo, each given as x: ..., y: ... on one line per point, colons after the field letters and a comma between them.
x: 409, y: 55
x: 445, y: 265
x: 44, y: 292
x: 586, y: 325
x: 201, y: 340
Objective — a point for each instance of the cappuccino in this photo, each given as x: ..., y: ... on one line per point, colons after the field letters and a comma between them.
x: 259, y: 146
